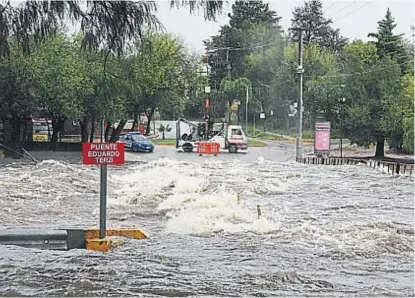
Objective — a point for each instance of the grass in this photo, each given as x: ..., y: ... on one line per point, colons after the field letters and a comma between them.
x: 266, y: 136
x: 165, y: 142
x: 256, y: 143
x: 172, y: 142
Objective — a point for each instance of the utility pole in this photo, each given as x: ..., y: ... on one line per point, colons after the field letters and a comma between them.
x: 207, y: 104
x: 300, y: 71
x: 228, y: 66
x: 103, y: 191
x: 342, y: 102
x: 341, y: 132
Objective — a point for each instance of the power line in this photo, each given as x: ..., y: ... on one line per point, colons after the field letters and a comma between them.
x: 276, y: 43
x: 245, y: 48
x: 341, y: 9
x: 353, y: 11
x: 331, y: 6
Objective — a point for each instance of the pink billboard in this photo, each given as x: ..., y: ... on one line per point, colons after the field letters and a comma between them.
x: 322, y: 138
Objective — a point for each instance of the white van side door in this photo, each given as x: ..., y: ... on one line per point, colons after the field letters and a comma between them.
x: 219, y: 138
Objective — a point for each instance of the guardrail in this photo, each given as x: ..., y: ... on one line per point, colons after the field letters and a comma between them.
x: 389, y: 166
x: 69, y: 238
x: 40, y: 239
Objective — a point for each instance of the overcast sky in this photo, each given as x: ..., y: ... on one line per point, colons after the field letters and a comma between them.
x: 355, y: 19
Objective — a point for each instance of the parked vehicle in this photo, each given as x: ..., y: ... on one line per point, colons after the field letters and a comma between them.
x: 136, y: 142
x: 230, y: 137
x: 132, y: 133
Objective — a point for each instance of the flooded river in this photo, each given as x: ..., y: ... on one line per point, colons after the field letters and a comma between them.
x: 324, y: 230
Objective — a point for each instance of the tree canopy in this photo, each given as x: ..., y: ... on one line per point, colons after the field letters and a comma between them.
x: 362, y: 88
x: 121, y: 65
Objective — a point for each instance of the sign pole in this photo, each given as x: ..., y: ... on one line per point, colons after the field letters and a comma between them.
x: 103, y: 153
x: 103, y: 192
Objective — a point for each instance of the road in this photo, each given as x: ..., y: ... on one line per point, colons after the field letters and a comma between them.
x: 276, y: 151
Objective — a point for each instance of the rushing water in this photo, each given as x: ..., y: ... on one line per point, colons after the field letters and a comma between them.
x: 324, y: 230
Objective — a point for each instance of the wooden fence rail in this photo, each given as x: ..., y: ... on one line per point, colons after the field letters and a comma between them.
x: 392, y: 167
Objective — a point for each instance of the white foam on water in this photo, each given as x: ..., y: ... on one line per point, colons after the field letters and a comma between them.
x: 152, y: 182
x: 34, y: 193
x: 205, y: 214
x: 362, y: 238
x: 202, y: 198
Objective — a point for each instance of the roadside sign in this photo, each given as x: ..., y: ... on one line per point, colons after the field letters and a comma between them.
x: 262, y: 115
x: 103, y: 153
x: 322, y: 138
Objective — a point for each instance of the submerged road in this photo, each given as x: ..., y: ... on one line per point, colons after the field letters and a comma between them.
x: 276, y: 151
x: 324, y: 231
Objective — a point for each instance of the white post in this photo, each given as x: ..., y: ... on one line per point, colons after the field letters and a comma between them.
x: 300, y: 71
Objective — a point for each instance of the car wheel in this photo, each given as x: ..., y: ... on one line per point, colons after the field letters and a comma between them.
x: 233, y: 149
x: 187, y: 147
x: 135, y: 149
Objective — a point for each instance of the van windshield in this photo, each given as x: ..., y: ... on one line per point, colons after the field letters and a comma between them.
x: 236, y: 132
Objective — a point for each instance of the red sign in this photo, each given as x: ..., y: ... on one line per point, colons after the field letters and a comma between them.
x: 103, y: 153
x: 322, y: 140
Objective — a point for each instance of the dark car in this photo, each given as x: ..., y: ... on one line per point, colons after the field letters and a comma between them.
x: 136, y: 142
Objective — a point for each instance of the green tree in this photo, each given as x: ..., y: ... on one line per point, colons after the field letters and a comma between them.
x: 195, y: 79
x: 163, y: 129
x: 397, y: 121
x: 62, y: 80
x: 316, y: 28
x: 389, y: 44
x: 322, y: 88
x: 187, y: 82
x: 371, y: 83
x: 238, y: 34
x: 235, y: 90
x: 273, y: 72
x: 18, y: 99
x: 104, y: 24
x: 270, y: 74
x: 154, y: 70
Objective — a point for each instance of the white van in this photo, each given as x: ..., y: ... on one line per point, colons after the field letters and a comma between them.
x: 230, y: 137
